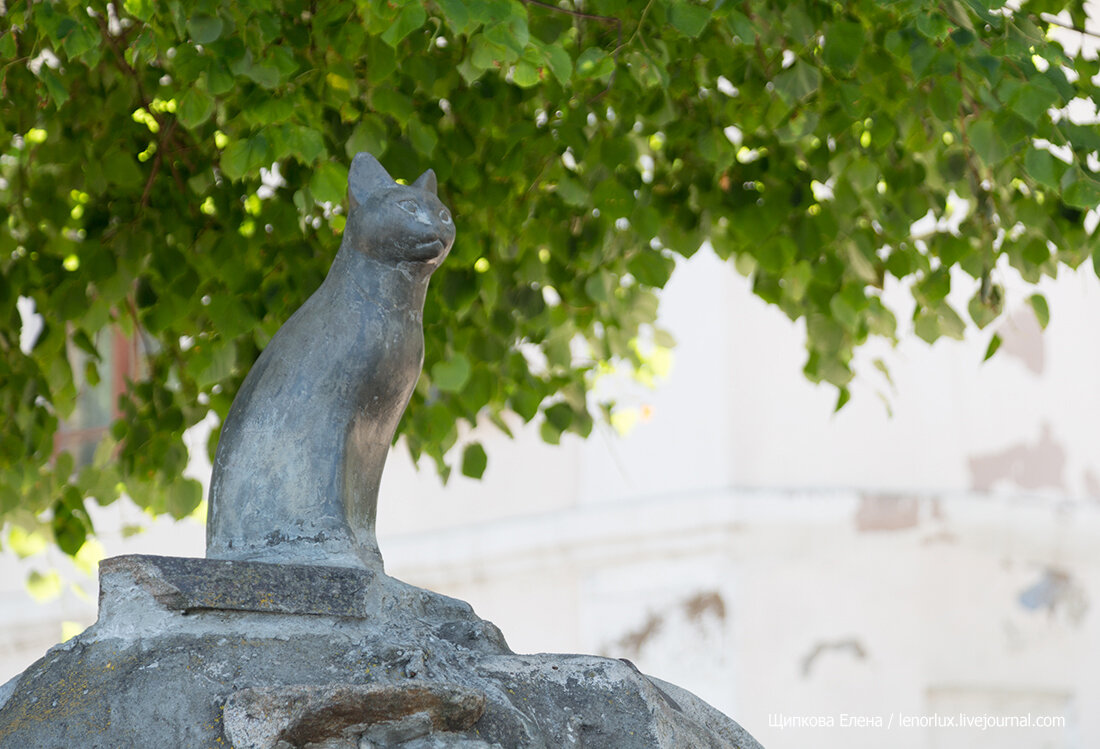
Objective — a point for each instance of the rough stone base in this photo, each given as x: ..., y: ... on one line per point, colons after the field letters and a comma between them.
x: 208, y: 653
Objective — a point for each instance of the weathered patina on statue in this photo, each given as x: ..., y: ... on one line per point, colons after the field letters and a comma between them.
x: 301, y: 453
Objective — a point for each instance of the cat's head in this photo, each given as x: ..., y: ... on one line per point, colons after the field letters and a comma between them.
x: 392, y: 222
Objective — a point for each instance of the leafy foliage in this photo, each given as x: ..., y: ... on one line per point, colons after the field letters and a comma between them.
x: 582, y: 149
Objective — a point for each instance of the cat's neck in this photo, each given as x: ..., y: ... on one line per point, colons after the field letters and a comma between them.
x: 391, y: 285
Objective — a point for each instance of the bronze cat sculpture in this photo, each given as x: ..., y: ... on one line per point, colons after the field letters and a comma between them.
x: 300, y: 458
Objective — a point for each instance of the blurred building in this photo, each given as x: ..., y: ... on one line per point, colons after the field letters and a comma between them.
x: 924, y: 557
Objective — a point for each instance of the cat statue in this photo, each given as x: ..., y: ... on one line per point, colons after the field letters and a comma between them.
x: 301, y: 453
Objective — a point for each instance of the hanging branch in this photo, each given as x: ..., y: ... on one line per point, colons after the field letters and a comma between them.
x: 609, y: 20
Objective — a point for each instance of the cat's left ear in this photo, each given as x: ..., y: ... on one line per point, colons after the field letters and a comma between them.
x: 426, y: 181
x: 366, y: 176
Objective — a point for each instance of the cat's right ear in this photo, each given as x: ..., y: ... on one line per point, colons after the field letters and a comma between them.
x: 365, y: 177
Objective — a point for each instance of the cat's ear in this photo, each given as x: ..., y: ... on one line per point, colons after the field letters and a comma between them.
x: 426, y: 181
x: 365, y: 177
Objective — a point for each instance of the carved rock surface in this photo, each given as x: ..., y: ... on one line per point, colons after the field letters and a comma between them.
x: 325, y: 658
x: 345, y: 714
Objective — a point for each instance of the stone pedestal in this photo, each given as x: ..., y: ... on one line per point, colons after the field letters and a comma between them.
x: 208, y: 653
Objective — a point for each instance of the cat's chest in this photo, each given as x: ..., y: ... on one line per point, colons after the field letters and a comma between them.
x: 375, y: 343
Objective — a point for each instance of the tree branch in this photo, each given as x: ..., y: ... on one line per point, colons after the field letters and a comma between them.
x: 638, y: 29
x: 574, y: 13
x: 152, y: 176
x: 614, y: 62
x: 610, y: 20
x: 126, y: 68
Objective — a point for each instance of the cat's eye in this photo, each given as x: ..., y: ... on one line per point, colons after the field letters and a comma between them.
x: 408, y: 206
x: 445, y: 216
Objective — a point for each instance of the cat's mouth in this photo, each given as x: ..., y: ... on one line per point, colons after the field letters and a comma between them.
x: 428, y: 250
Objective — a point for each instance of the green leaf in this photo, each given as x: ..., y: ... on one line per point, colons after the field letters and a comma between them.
x: 422, y: 137
x: 265, y: 74
x: 369, y: 136
x: 474, y: 461
x: 451, y: 375
x: 1032, y: 100
x: 1042, y: 312
x: 458, y: 17
x: 218, y: 78
x: 987, y: 142
x: 182, y: 497
x: 1083, y: 192
x: 945, y: 98
x: 844, y: 41
x: 797, y: 82
x: 502, y: 37
x: 880, y: 365
x: 506, y: 26
x: 597, y: 288
x: 651, y: 268
x: 594, y: 63
x: 411, y: 18
x: 559, y: 62
x: 79, y: 43
x: 70, y: 522
x: 843, y: 396
x: 927, y: 327
x: 549, y: 433
x: 140, y: 9
x: 58, y: 93
x: 689, y: 19
x: 215, y: 365
x: 44, y: 587
x: 120, y: 168
x: 205, y: 29
x: 270, y: 110
x: 934, y: 287
x: 381, y: 61
x: 306, y: 144
x: 991, y: 349
x: 1043, y: 167
x: 934, y: 25
x: 526, y: 75
x: 980, y: 312
x: 393, y: 103
x: 229, y: 316
x: 484, y: 55
x: 560, y: 416
x: 571, y: 191
x: 7, y: 45
x: 195, y: 108
x: 741, y: 27
x: 525, y: 404
x: 941, y: 319
x: 1081, y: 137
x: 329, y: 183
x: 26, y: 543
x: 951, y: 324
x: 245, y: 157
